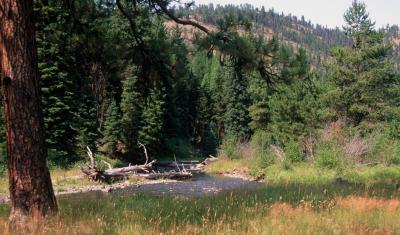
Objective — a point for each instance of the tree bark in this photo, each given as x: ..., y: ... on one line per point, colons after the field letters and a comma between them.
x: 31, y: 191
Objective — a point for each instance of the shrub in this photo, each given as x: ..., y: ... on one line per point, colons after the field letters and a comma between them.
x: 328, y: 156
x: 265, y: 156
x: 394, y: 158
x: 293, y: 152
x: 309, y: 145
x: 58, y: 159
x: 261, y: 141
x: 231, y: 148
x: 384, y: 150
x: 286, y: 165
x: 261, y: 138
x: 356, y: 148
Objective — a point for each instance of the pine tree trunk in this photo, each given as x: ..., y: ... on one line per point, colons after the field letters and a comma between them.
x: 31, y: 191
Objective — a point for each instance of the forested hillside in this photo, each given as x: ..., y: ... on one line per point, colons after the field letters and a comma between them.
x: 297, y: 32
x: 112, y: 78
x: 291, y: 30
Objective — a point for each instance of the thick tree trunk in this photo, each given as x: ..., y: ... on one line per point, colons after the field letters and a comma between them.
x: 31, y: 190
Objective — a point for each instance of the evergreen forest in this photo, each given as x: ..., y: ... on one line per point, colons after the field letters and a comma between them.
x: 111, y: 79
x: 311, y: 111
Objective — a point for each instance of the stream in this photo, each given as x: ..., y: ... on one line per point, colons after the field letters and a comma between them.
x: 199, y: 185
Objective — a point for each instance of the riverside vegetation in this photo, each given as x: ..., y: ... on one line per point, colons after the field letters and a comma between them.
x: 313, y: 113
x: 279, y: 207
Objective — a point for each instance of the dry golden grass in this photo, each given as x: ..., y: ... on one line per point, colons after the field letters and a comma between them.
x: 3, y: 186
x: 62, y: 180
x: 347, y: 215
x: 224, y: 165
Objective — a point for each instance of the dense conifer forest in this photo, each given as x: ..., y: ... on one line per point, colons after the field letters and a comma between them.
x: 244, y: 119
x: 111, y: 79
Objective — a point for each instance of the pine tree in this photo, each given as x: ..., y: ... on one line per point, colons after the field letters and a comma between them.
x: 182, y: 91
x: 294, y: 111
x: 359, y: 25
x: 364, y: 81
x: 112, y: 129
x: 57, y: 80
x: 259, y: 109
x: 131, y: 107
x: 30, y: 187
x: 153, y: 116
x: 87, y: 124
x: 206, y: 129
x: 209, y: 106
x: 288, y: 109
x: 236, y: 118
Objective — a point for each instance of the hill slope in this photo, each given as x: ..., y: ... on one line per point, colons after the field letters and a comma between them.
x: 294, y: 31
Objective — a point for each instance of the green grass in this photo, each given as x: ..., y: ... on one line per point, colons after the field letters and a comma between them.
x: 276, y: 208
x: 308, y: 173
x: 62, y: 180
x: 301, y: 199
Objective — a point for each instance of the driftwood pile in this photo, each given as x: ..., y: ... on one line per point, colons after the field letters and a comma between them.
x: 178, y: 170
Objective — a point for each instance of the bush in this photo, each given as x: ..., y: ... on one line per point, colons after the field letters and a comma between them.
x: 383, y: 149
x: 265, y: 156
x: 231, y: 148
x: 328, y: 156
x: 59, y: 159
x: 293, y: 152
x: 261, y: 138
x: 356, y: 149
x: 395, y: 156
x: 286, y: 165
x: 261, y: 141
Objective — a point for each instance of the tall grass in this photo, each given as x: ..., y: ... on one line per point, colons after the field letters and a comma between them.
x: 276, y: 208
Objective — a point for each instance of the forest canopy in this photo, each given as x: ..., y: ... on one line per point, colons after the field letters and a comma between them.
x: 115, y: 74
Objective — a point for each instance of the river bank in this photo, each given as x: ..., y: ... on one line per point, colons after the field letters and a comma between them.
x: 265, y: 209
x: 288, y: 202
x: 66, y: 185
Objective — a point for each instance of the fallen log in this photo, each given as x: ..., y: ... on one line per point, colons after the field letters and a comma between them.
x: 131, y: 169
x: 178, y: 170
x: 172, y: 163
x: 94, y: 173
x: 167, y: 175
x: 209, y: 160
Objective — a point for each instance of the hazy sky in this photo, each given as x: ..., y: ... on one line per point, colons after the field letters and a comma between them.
x: 325, y: 12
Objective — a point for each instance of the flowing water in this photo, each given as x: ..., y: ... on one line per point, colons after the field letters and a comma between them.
x: 200, y: 185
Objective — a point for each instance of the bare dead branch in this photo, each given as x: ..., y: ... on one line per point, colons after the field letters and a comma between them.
x: 108, y: 164
x: 91, y: 157
x: 145, y: 152
x: 163, y: 6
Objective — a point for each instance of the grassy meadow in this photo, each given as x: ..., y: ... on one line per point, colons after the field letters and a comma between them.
x: 333, y: 192
x: 63, y: 179
x: 274, y: 209
x: 301, y: 200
